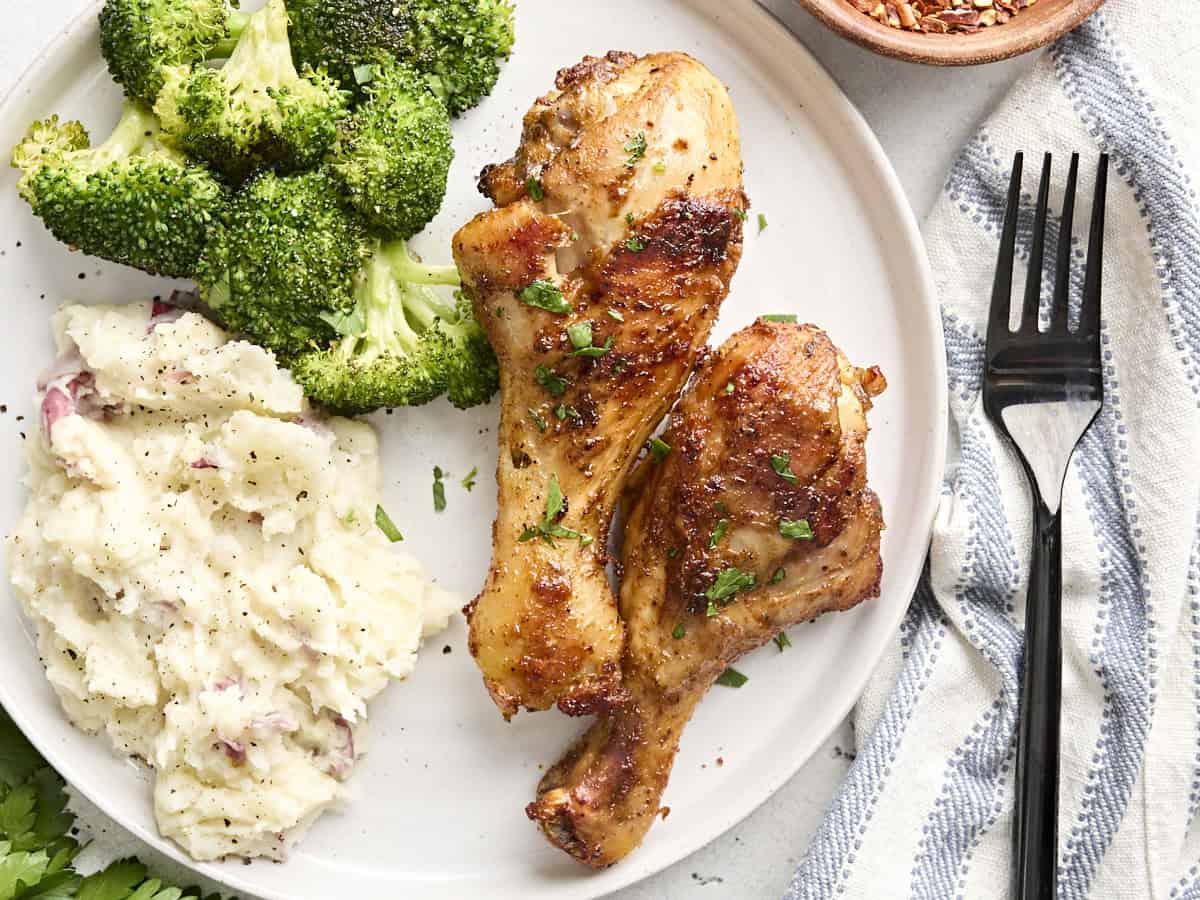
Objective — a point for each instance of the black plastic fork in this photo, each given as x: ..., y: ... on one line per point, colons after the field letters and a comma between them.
x: 1043, y: 390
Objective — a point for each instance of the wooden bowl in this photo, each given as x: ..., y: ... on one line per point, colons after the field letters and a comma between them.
x: 1029, y: 29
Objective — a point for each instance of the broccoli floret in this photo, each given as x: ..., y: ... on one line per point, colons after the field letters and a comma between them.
x: 280, y: 268
x: 256, y: 110
x: 393, y: 154
x: 130, y: 200
x: 400, y: 347
x: 142, y: 38
x: 457, y: 44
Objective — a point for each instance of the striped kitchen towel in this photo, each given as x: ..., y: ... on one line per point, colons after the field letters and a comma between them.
x: 925, y: 812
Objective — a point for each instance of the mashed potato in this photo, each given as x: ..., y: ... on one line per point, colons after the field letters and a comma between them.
x: 201, y: 561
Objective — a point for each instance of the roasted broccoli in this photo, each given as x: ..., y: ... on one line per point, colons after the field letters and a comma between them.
x: 256, y: 110
x: 457, y: 44
x: 393, y: 154
x: 142, y: 38
x: 401, y: 346
x: 130, y: 200
x: 280, y: 267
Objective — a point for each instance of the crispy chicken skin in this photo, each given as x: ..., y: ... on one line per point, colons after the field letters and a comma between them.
x: 771, y: 390
x: 626, y: 195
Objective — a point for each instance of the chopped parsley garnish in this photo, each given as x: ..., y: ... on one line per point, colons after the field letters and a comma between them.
x: 545, y: 295
x: 762, y: 223
x: 718, y: 533
x: 799, y: 530
x: 782, y: 464
x: 729, y: 388
x: 660, y: 168
x: 549, y: 528
x: 781, y: 641
x: 554, y: 383
x: 350, y: 518
x: 629, y: 219
x: 580, y: 335
x: 613, y: 314
x: 672, y: 553
x: 537, y: 420
x: 636, y: 148
x: 659, y: 449
x: 439, y: 490
x: 635, y: 244
x: 678, y: 631
x: 790, y: 318
x: 469, y: 481
x: 536, y: 192
x: 386, y: 525
x: 779, y: 575
x: 595, y: 352
x: 725, y: 588
x: 567, y: 412
x: 741, y: 214
x: 732, y: 678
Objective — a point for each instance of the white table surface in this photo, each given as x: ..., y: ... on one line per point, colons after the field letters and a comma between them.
x: 921, y: 115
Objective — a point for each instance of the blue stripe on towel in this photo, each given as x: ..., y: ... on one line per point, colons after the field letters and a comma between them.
x: 975, y: 782
x: 1105, y: 93
x: 836, y: 845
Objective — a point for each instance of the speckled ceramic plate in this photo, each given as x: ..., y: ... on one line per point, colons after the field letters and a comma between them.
x: 439, y: 800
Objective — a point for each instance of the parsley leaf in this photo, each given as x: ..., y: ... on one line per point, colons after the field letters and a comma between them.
x: 594, y: 352
x: 545, y: 295
x: 534, y: 189
x: 782, y: 464
x: 798, y: 530
x: 741, y: 214
x: 728, y: 582
x: 636, y: 244
x: 779, y: 575
x: 114, y: 883
x: 729, y: 388
x: 731, y: 678
x: 789, y: 318
x: 636, y: 148
x: 567, y: 412
x: 469, y: 481
x: 613, y: 314
x: 781, y: 641
x: 439, y: 490
x: 678, y: 631
x: 580, y: 335
x: 718, y: 533
x: 554, y: 383
x: 762, y: 223
x: 549, y: 528
x: 659, y: 449
x: 537, y: 420
x: 386, y: 525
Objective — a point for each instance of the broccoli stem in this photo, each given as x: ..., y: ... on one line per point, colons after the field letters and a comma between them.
x: 407, y: 268
x: 136, y: 133
x: 237, y: 24
x: 382, y: 301
x: 262, y: 54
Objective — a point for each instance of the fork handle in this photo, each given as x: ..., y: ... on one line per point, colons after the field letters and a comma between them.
x: 1035, y: 814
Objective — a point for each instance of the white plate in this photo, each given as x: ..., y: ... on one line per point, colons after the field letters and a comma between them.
x: 439, y: 800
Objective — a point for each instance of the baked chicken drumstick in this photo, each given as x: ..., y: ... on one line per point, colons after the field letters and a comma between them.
x: 757, y: 519
x: 597, y: 278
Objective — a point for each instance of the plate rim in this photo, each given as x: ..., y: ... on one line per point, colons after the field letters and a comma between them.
x: 83, y: 28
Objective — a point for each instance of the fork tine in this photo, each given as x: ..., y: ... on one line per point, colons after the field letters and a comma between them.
x: 1002, y: 288
x: 1062, y: 270
x: 1037, y: 253
x: 1089, y: 319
